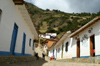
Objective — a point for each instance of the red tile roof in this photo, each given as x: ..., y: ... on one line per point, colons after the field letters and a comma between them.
x: 50, y: 43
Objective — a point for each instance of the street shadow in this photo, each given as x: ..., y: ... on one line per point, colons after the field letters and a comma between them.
x: 33, y: 62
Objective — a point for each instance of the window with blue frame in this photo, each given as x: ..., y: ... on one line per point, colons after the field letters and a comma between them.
x: 30, y: 42
x: 0, y: 14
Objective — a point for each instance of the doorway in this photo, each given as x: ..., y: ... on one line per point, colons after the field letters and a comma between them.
x: 33, y: 44
x: 53, y: 52
x: 92, y: 45
x: 23, y: 45
x: 56, y: 53
x: 13, y: 40
x: 78, y: 48
x: 62, y: 51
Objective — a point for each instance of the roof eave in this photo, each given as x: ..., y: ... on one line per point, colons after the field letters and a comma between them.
x: 28, y: 19
x: 85, y: 26
x: 18, y: 2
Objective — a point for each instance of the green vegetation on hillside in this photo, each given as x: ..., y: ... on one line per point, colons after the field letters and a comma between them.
x: 47, y: 21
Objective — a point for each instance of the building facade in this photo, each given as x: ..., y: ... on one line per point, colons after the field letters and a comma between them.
x: 62, y: 49
x: 82, y: 43
x: 17, y: 32
x: 86, y: 40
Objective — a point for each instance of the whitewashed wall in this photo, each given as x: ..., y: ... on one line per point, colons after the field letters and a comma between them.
x: 50, y: 54
x: 46, y: 37
x: 59, y: 53
x: 11, y: 15
x: 55, y: 52
x: 67, y: 54
x: 85, y: 44
x: 51, y: 34
x: 45, y: 49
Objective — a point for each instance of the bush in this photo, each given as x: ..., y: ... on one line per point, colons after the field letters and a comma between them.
x: 41, y: 41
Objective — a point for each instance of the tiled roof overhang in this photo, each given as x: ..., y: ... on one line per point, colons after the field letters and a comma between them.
x: 19, y: 2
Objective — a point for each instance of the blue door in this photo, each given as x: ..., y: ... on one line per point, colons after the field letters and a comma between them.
x: 23, y: 44
x: 13, y: 40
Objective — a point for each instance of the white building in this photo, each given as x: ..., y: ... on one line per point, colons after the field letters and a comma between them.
x: 62, y: 49
x: 48, y: 35
x: 86, y: 40
x: 52, y: 34
x: 82, y: 43
x: 17, y: 32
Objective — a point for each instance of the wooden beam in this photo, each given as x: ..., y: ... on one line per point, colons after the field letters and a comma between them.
x: 18, y: 2
x: 36, y: 41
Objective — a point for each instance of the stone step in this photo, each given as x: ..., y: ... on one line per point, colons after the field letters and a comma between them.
x: 15, y: 59
x: 70, y: 64
x: 83, y: 60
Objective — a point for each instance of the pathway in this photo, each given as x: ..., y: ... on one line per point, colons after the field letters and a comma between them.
x: 47, y: 62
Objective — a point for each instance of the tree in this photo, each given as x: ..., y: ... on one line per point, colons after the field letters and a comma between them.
x: 51, y: 31
x: 41, y: 41
x: 47, y: 10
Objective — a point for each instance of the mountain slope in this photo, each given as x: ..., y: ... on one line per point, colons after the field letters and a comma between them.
x: 57, y: 21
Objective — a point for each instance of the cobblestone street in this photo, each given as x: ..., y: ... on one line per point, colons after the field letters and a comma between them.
x: 42, y: 62
x: 47, y: 62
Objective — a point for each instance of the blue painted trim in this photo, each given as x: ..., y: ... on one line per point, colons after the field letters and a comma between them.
x: 82, y: 57
x: 85, y: 56
x: 23, y: 44
x: 6, y: 53
x: 13, y: 39
x: 20, y: 54
x: 30, y: 42
x: 97, y: 55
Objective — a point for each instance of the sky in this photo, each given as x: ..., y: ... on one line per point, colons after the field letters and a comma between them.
x: 68, y: 6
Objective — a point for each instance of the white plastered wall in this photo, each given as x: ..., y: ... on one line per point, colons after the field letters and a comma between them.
x: 11, y: 15
x: 85, y: 44
x: 59, y: 53
x: 67, y: 54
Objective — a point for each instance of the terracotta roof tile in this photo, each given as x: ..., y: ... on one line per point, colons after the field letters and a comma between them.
x: 50, y: 43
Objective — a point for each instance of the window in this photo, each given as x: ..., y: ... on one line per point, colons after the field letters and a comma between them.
x: 0, y: 14
x: 66, y: 49
x: 0, y: 11
x: 30, y: 42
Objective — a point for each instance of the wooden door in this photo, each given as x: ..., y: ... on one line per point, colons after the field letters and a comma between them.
x: 78, y: 48
x: 92, y: 45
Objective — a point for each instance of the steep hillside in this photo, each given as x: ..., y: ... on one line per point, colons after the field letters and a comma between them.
x: 57, y: 21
